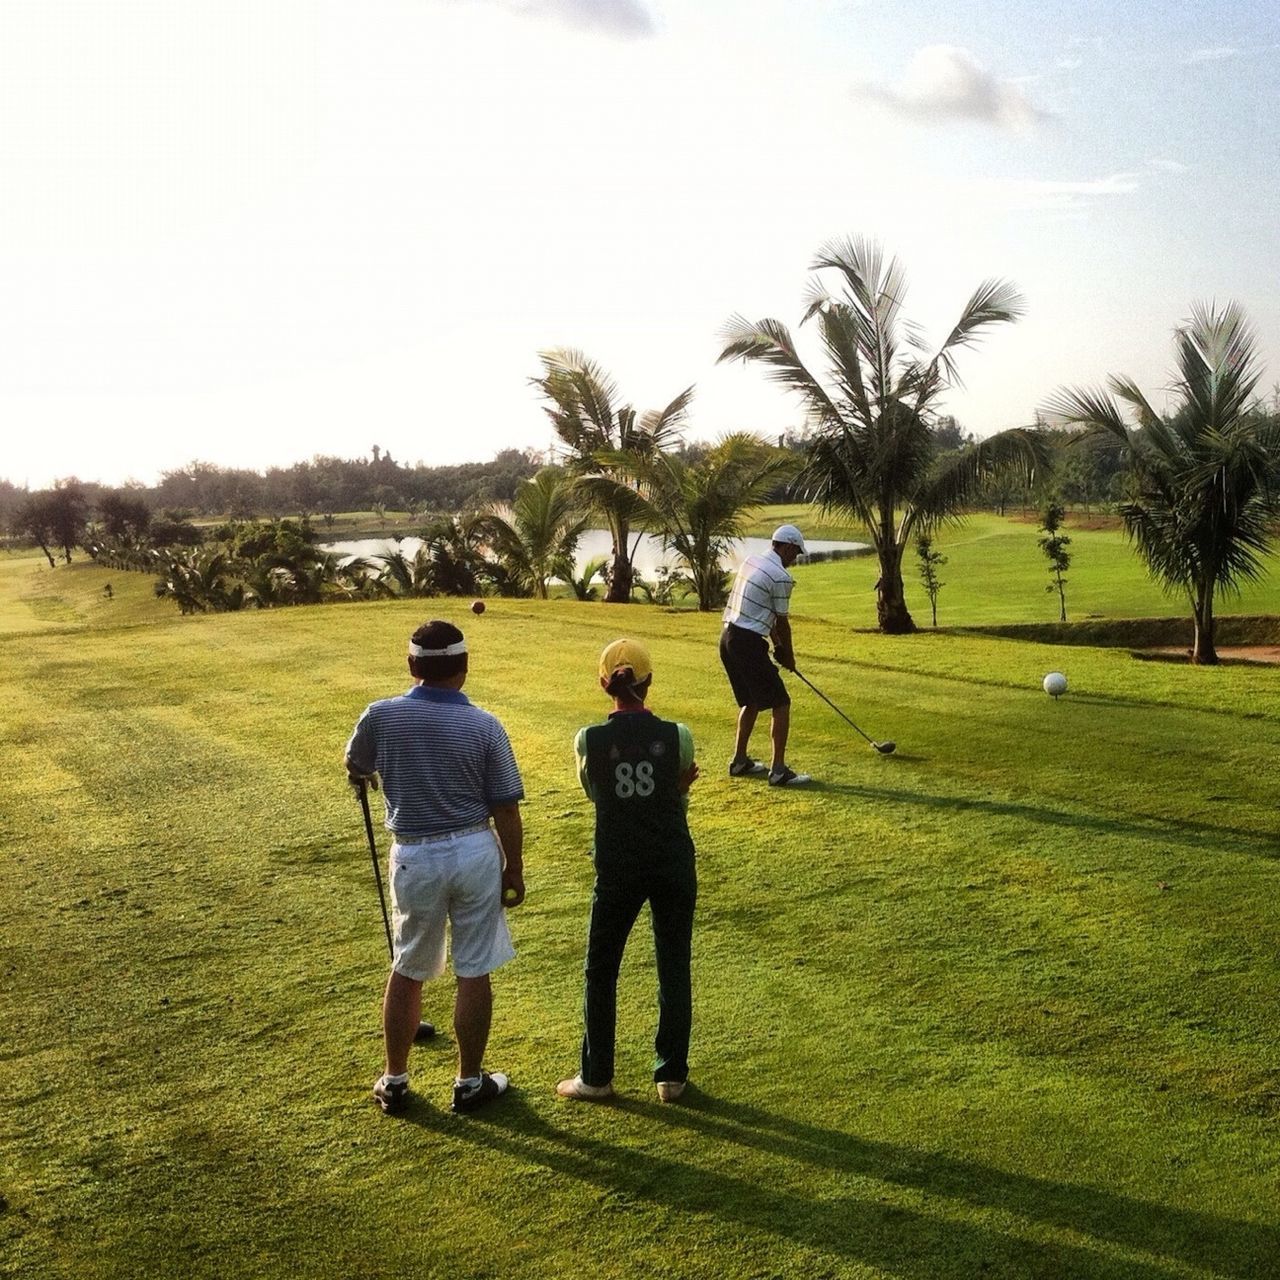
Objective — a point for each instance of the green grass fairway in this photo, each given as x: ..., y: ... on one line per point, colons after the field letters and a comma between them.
x: 995, y: 573
x: 1003, y: 1004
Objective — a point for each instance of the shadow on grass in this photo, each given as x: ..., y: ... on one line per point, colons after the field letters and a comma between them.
x: 1172, y: 830
x: 853, y: 1219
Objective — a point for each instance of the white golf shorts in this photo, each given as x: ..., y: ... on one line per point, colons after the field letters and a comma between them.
x: 459, y: 880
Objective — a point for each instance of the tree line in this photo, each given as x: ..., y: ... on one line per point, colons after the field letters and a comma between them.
x: 1197, y: 487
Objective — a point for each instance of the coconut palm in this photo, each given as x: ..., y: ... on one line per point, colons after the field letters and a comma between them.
x: 699, y: 508
x: 581, y: 583
x: 606, y: 443
x: 873, y: 456
x: 535, y: 538
x: 456, y: 547
x: 1204, y: 479
x: 406, y: 576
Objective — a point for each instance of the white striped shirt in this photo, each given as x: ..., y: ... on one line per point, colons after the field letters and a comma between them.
x: 445, y: 763
x: 761, y: 594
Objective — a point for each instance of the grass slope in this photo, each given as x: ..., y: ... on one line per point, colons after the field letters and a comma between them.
x: 997, y: 574
x: 1002, y: 1004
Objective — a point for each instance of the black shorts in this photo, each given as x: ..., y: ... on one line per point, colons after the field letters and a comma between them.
x: 755, y: 680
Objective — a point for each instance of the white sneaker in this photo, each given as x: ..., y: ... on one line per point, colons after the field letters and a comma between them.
x: 670, y: 1090
x: 577, y: 1087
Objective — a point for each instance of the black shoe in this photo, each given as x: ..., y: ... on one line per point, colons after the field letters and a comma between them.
x: 392, y: 1098
x: 785, y: 777
x: 473, y: 1097
x: 426, y: 1031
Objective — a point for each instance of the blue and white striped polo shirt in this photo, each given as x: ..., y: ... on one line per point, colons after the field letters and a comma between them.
x: 761, y: 593
x: 445, y: 763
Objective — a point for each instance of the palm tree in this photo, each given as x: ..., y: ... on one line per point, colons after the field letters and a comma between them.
x: 1206, y: 487
x: 407, y: 576
x: 699, y: 508
x: 581, y: 583
x: 455, y: 545
x: 873, y: 456
x: 606, y: 443
x: 536, y: 537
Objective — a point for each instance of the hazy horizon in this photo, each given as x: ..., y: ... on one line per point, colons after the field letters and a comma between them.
x: 250, y: 234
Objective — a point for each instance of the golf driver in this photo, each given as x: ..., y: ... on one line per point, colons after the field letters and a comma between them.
x: 425, y: 1029
x: 884, y: 748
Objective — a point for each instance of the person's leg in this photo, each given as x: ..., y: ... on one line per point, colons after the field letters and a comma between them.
x: 481, y: 942
x: 401, y: 1008
x: 779, y: 728
x: 472, y: 1014
x: 671, y: 904
x: 614, y: 908
x: 746, y: 723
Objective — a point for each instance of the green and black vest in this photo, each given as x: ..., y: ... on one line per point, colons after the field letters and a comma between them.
x: 633, y: 762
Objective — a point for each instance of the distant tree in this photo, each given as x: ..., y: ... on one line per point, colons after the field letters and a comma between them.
x: 67, y: 511
x: 930, y: 562
x: 1054, y: 545
x: 606, y: 443
x: 1205, y: 489
x: 34, y: 520
x: 173, y: 529
x: 874, y: 456
x: 124, y: 515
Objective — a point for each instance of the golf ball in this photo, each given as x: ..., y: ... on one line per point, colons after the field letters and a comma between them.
x: 1055, y: 684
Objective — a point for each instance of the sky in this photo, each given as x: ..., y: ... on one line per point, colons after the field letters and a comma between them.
x: 253, y: 231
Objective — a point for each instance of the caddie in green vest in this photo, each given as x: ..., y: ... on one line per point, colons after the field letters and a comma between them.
x: 637, y: 769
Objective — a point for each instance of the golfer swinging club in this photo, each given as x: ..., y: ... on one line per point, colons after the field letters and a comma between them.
x: 637, y: 770
x: 757, y: 609
x: 447, y: 768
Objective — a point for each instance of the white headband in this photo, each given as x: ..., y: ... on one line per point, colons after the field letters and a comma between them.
x: 417, y: 651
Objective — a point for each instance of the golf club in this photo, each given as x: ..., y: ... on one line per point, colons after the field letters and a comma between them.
x: 425, y: 1029
x: 884, y: 748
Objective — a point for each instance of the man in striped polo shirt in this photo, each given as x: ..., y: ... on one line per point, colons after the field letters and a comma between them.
x: 757, y: 611
x: 447, y: 768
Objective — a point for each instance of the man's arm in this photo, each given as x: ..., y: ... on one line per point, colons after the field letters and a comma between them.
x: 688, y: 765
x: 356, y: 775
x: 510, y: 828
x: 782, y: 650
x: 580, y: 757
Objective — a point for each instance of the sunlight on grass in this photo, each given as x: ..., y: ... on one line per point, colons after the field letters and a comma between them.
x: 1002, y: 1004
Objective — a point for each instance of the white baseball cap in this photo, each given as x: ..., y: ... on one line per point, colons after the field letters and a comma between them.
x: 789, y: 533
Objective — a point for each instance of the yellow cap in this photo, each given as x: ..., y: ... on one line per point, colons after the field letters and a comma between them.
x: 626, y: 653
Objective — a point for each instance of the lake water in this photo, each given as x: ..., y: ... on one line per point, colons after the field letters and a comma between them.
x: 596, y: 542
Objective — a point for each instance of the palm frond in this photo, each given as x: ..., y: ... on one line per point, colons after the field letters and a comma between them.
x: 769, y: 342
x: 992, y: 302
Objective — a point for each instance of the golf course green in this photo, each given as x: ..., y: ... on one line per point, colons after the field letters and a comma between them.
x: 1002, y: 1004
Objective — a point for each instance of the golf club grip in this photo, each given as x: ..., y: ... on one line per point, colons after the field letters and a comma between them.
x: 377, y: 873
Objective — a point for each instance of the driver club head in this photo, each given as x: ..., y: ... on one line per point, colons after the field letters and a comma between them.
x: 885, y: 748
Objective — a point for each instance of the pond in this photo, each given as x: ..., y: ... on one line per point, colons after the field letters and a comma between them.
x: 596, y: 542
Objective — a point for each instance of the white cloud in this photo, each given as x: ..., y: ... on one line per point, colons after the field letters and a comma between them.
x: 628, y: 19
x: 1217, y: 54
x: 1069, y: 64
x: 1057, y: 195
x: 1161, y: 165
x: 944, y: 83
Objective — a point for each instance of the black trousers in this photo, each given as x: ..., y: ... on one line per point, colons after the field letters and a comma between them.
x: 671, y: 889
